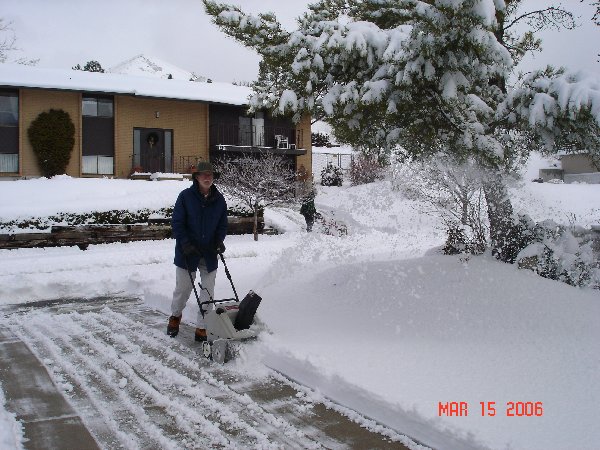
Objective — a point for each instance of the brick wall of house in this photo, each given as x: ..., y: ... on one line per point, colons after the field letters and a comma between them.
x: 188, y: 120
x: 305, y: 160
x: 32, y: 102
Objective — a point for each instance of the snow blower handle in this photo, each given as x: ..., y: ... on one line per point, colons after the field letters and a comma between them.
x: 229, y: 276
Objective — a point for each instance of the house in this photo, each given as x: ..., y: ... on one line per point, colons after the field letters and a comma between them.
x: 127, y: 123
x: 574, y: 167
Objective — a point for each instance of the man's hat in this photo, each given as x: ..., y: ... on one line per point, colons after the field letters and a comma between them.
x: 205, y: 166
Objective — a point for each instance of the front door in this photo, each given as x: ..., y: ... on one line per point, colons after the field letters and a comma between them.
x: 152, y: 149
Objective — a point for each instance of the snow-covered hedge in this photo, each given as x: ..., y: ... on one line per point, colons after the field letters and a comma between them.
x: 111, y: 217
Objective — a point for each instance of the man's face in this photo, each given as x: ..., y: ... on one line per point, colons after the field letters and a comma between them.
x: 205, y: 180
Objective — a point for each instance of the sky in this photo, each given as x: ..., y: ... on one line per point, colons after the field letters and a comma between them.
x: 63, y: 33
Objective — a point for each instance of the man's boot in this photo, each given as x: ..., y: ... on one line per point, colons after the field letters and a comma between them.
x: 200, y: 335
x: 173, y: 326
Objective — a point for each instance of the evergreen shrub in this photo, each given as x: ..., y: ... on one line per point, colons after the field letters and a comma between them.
x: 52, y: 136
x: 332, y: 175
x: 320, y: 140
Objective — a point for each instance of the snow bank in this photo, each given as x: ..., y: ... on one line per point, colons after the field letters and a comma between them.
x: 414, y: 333
x: 46, y: 196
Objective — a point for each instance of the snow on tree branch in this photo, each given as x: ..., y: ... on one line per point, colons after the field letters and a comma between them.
x: 553, y: 101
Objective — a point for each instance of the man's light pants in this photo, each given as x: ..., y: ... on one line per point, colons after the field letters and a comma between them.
x: 183, y: 290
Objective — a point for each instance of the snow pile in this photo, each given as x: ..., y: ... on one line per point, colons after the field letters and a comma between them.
x: 42, y: 197
x: 394, y: 338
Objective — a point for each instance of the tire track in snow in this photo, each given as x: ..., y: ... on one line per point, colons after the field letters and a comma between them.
x: 123, y: 374
x: 125, y: 416
x: 135, y: 387
x: 229, y: 407
x: 251, y: 411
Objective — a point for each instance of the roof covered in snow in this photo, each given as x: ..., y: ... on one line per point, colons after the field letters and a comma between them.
x: 21, y: 76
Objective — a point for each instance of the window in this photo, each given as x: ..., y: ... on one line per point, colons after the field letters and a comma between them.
x: 97, y: 106
x: 98, y: 146
x: 9, y: 131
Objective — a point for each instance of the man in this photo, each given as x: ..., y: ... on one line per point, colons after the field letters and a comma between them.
x: 199, y: 226
x: 308, y: 210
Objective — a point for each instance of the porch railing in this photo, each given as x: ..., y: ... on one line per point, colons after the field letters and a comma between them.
x: 255, y: 136
x: 186, y: 164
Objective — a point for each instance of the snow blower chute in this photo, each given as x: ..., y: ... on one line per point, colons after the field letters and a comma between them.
x: 228, y: 322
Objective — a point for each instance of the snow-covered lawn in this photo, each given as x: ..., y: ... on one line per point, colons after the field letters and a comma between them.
x: 377, y: 320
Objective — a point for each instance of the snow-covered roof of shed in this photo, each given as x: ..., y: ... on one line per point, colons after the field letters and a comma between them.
x: 21, y: 76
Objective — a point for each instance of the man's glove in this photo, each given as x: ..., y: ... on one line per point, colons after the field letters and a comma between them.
x: 189, y: 249
x: 220, y: 248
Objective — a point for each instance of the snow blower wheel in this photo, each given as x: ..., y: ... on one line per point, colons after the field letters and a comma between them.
x: 206, y: 350
x: 219, y: 351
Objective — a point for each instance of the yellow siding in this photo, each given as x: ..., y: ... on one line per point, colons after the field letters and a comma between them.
x: 187, y: 120
x: 303, y: 129
x: 32, y: 102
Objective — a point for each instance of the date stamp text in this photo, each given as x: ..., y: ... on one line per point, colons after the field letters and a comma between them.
x: 491, y: 409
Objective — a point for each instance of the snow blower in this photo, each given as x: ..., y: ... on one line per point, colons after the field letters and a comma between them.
x: 228, y: 322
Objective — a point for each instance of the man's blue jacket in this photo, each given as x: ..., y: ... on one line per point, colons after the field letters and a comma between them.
x: 201, y: 221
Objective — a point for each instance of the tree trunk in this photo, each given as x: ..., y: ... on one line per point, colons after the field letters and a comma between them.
x: 255, y: 227
x: 464, y: 201
x: 505, y: 231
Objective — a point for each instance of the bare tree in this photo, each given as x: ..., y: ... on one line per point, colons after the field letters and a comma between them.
x: 596, y: 16
x: 7, y: 41
x: 452, y: 190
x: 8, y: 45
x: 257, y: 182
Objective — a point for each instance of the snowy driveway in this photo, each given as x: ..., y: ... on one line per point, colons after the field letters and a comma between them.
x: 134, y: 387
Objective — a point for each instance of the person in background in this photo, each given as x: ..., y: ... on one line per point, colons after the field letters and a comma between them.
x: 199, y: 225
x: 308, y: 209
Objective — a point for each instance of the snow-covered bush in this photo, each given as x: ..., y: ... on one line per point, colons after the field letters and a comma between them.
x: 332, y: 175
x: 111, y: 217
x: 562, y: 253
x: 365, y: 169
